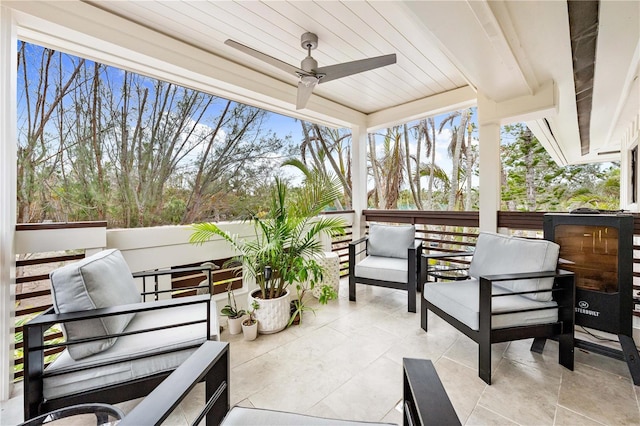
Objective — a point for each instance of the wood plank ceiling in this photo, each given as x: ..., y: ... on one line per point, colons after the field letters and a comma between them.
x: 347, y: 31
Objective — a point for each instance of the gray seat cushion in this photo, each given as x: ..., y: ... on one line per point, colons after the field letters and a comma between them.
x: 241, y: 416
x: 99, y: 281
x: 460, y: 299
x: 501, y: 254
x: 121, y: 368
x: 383, y: 268
x: 390, y: 241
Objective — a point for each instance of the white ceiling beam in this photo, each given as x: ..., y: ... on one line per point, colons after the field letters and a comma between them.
x: 501, y: 33
x: 541, y: 104
x: 88, y: 31
x: 452, y: 100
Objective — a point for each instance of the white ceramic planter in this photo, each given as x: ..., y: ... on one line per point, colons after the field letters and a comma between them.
x: 250, y: 332
x: 235, y: 325
x: 273, y: 314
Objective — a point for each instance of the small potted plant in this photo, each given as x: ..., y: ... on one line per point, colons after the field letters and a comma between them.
x: 250, y: 325
x: 311, y: 278
x: 233, y: 314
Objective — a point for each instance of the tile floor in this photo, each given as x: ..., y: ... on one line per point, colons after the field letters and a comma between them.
x: 345, y: 362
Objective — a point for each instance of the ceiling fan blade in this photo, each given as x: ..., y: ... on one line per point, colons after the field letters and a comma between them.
x: 333, y: 72
x: 305, y: 87
x: 265, y: 58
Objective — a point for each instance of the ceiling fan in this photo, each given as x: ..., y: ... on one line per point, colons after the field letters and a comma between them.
x: 309, y: 73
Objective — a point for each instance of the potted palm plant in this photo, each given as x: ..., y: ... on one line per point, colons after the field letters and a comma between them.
x: 285, y: 246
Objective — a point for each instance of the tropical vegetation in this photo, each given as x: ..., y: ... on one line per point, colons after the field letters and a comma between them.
x: 286, y: 241
x: 97, y: 143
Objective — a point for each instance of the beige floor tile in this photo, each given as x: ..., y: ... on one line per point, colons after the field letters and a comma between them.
x: 301, y: 389
x: 420, y: 344
x: 242, y: 351
x: 601, y: 362
x: 599, y: 395
x: 361, y: 349
x: 465, y: 351
x: 565, y: 417
x: 395, y: 415
x: 462, y: 384
x: 321, y: 409
x: 358, y: 320
x: 482, y: 416
x: 250, y: 377
x: 520, y: 351
x: 523, y: 394
x: 370, y: 394
x: 193, y: 403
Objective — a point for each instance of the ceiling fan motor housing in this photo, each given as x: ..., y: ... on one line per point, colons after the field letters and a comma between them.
x: 309, y: 41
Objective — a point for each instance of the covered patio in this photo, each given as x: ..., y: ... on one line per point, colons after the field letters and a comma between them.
x: 569, y: 70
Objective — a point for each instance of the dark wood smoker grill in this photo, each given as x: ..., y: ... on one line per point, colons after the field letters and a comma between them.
x: 598, y: 248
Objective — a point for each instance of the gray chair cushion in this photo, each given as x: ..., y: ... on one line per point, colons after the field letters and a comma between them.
x: 121, y: 368
x: 241, y: 416
x: 501, y: 254
x: 382, y: 268
x: 99, y: 281
x: 390, y: 241
x: 461, y: 300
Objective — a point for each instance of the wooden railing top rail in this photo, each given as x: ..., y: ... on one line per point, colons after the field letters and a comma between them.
x: 60, y: 225
x: 468, y: 219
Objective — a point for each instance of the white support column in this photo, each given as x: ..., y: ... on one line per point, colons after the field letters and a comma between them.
x: 489, y: 166
x: 358, y: 178
x: 8, y: 46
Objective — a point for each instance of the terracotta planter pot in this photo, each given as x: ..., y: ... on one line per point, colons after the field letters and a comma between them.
x: 273, y: 314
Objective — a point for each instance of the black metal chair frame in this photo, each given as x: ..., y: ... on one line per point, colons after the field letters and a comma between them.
x: 34, y: 350
x: 563, y: 293
x: 209, y: 364
x: 413, y: 272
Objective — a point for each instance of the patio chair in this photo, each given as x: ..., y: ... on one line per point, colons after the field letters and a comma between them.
x: 513, y: 292
x: 392, y: 260
x: 116, y: 347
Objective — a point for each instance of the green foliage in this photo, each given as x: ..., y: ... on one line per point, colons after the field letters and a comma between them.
x: 532, y: 181
x: 286, y: 237
x: 251, y: 312
x: 231, y: 308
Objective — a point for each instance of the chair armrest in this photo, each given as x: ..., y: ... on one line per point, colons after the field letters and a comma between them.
x: 209, y: 362
x: 425, y: 399
x: 37, y: 327
x: 53, y: 318
x: 359, y: 241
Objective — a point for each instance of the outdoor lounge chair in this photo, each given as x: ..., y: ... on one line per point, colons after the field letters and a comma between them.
x: 393, y: 260
x: 117, y: 348
x: 513, y: 292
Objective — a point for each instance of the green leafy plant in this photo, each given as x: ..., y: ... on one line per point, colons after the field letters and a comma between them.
x: 286, y: 237
x: 251, y: 311
x: 299, y: 305
x: 231, y: 308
